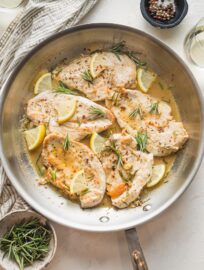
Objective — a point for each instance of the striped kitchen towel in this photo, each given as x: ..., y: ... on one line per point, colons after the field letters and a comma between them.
x: 38, y: 20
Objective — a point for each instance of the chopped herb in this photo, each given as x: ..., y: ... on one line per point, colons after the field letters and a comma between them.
x: 83, y: 192
x: 112, y: 146
x: 133, y: 56
x: 135, y: 112
x: 155, y: 108
x: 26, y: 242
x: 141, y: 140
x: 87, y: 76
x: 61, y: 88
x: 161, y: 86
x: 96, y: 112
x: 118, y: 49
x: 66, y: 143
x: 53, y: 175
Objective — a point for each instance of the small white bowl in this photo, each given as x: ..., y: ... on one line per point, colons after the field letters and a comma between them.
x: 16, y: 217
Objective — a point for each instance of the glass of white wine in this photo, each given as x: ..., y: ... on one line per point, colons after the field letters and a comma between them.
x: 10, y: 3
x: 194, y: 44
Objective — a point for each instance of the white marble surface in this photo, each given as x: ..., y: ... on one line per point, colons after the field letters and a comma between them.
x: 175, y: 239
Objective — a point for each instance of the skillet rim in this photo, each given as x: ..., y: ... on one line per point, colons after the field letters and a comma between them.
x: 107, y: 228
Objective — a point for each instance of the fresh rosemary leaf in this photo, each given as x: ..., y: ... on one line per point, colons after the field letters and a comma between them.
x: 87, y: 76
x: 115, y: 98
x: 133, y: 56
x: 141, y: 140
x: 134, y: 113
x: 118, y: 49
x: 26, y: 242
x: 155, y: 108
x: 53, y: 175
x: 96, y: 112
x: 66, y: 143
x: 61, y: 88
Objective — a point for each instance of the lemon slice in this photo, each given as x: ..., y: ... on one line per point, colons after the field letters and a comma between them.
x: 98, y: 64
x: 145, y: 79
x: 66, y: 111
x: 158, y: 172
x: 78, y: 184
x: 97, y: 143
x: 35, y: 136
x: 44, y: 83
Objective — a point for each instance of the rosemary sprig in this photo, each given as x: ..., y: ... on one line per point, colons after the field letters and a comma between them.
x: 133, y: 56
x: 141, y: 140
x: 135, y: 112
x: 96, y: 112
x: 87, y: 76
x: 112, y: 146
x: 118, y: 49
x: 61, y: 88
x: 155, y: 108
x: 66, y: 143
x: 26, y: 242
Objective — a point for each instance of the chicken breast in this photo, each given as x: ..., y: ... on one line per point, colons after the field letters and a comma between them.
x: 117, y: 73
x: 89, y: 117
x: 137, y: 112
x: 127, y: 170
x: 62, y: 165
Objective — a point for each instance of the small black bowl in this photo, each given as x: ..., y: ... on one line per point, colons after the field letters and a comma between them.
x: 181, y: 11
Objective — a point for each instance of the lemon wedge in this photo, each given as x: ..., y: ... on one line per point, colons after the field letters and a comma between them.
x: 35, y: 136
x: 145, y: 79
x: 66, y: 111
x: 158, y: 172
x: 44, y: 83
x: 97, y: 143
x: 98, y: 64
x: 78, y: 184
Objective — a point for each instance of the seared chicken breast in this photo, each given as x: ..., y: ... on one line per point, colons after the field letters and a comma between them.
x: 127, y: 170
x: 137, y: 112
x: 118, y: 72
x: 89, y: 117
x: 62, y: 165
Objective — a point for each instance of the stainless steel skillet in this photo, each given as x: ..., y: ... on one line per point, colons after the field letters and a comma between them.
x: 68, y: 44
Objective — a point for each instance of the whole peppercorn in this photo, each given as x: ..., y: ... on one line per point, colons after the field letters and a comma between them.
x: 160, y: 10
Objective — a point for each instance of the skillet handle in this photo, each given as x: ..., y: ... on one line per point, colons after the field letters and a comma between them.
x: 137, y: 256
